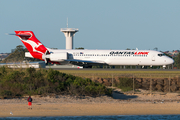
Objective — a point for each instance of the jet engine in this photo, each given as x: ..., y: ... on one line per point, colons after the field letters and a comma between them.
x: 56, y: 57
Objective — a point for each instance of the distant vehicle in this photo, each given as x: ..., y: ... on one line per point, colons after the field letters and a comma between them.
x: 87, y: 58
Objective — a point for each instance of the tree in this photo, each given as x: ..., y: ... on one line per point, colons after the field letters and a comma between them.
x: 177, y: 61
x: 80, y: 48
x: 17, y: 55
x: 20, y: 48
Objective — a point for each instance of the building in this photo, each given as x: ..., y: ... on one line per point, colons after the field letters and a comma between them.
x: 38, y: 64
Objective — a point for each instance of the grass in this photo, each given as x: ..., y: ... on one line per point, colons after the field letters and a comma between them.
x: 117, y: 73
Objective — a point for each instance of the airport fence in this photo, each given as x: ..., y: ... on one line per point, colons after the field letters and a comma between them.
x: 138, y: 83
x: 149, y: 84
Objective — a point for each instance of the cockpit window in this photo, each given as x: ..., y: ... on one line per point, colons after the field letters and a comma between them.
x: 160, y: 55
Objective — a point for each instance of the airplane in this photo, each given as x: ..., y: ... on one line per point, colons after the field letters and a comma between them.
x: 87, y: 58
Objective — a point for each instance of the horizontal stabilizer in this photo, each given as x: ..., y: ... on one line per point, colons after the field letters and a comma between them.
x: 86, y: 61
x: 18, y: 34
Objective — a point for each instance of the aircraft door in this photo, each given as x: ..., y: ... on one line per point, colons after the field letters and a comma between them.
x: 153, y: 57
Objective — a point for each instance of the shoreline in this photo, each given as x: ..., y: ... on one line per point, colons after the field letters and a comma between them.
x: 65, y: 105
x: 96, y: 109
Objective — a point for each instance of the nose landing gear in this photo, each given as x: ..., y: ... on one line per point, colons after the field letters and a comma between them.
x: 164, y: 66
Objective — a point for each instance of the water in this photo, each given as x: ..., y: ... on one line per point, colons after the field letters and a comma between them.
x: 117, y: 117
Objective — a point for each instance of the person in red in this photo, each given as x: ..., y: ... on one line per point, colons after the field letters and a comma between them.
x: 29, y: 102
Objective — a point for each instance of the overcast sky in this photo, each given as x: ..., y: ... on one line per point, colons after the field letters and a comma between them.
x: 102, y: 24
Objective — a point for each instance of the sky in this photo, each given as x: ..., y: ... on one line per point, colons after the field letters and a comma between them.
x: 102, y: 24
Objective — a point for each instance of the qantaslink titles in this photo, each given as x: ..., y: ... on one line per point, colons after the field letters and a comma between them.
x: 129, y: 53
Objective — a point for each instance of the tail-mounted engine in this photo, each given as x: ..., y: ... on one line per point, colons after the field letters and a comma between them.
x: 57, y: 57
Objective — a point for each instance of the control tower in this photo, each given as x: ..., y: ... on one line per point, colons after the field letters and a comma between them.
x: 69, y: 33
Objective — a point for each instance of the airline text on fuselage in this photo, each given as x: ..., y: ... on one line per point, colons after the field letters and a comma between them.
x: 128, y: 53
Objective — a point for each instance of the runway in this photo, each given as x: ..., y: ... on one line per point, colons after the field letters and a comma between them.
x: 101, y: 69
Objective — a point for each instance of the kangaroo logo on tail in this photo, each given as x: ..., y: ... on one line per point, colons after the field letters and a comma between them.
x: 31, y: 42
x: 34, y: 46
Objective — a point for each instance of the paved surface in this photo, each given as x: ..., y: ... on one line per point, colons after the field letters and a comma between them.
x: 101, y: 69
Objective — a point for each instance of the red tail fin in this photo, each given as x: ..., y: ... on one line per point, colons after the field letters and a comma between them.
x: 30, y: 41
x: 34, y: 46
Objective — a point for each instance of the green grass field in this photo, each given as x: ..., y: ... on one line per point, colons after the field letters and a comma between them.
x: 117, y: 73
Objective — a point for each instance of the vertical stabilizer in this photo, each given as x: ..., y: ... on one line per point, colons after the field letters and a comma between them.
x: 34, y: 46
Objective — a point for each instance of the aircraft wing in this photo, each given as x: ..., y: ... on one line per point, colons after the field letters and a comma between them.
x: 84, y: 62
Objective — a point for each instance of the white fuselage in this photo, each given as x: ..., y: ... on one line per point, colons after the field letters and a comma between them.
x: 117, y: 57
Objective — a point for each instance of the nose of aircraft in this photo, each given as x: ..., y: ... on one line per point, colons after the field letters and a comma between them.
x: 169, y: 61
